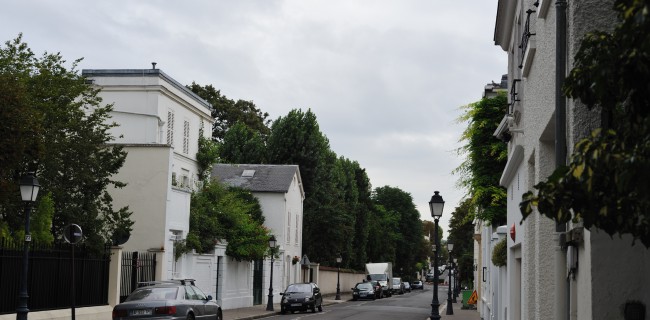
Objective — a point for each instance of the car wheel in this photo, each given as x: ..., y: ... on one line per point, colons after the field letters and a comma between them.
x: 282, y: 310
x: 190, y: 317
x: 313, y: 308
x: 219, y: 315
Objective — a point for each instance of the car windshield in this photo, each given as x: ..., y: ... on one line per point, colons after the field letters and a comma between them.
x: 304, y: 287
x: 161, y: 293
x: 364, y: 286
x: 396, y: 281
x: 379, y: 277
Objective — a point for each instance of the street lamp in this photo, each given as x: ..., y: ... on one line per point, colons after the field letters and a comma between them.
x: 450, y: 308
x: 272, y: 243
x: 455, y: 270
x: 436, y: 205
x: 29, y: 187
x: 456, y: 279
x: 338, y: 278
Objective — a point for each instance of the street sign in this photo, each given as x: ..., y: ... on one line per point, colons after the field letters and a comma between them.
x: 72, y: 233
x: 473, y: 298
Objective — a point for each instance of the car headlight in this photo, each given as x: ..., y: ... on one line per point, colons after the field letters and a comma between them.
x: 307, y: 299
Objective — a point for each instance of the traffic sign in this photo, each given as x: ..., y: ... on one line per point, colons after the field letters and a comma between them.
x: 473, y: 298
x: 72, y: 233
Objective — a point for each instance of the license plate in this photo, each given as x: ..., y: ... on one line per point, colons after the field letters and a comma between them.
x: 141, y: 312
x: 296, y: 304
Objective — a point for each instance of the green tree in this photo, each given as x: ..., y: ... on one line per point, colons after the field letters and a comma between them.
x: 409, y: 227
x: 428, y: 228
x: 382, y: 234
x: 227, y: 112
x: 297, y: 139
x: 605, y: 184
x: 231, y: 214
x: 486, y: 157
x: 207, y: 155
x: 62, y: 133
x: 241, y: 144
x: 461, y: 233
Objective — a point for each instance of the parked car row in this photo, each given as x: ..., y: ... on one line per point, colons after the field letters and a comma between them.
x: 372, y: 290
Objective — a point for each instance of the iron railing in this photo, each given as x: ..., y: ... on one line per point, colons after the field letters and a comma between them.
x: 525, y: 37
x: 50, y: 276
x: 136, y: 267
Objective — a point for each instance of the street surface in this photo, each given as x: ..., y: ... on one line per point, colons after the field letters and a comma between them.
x: 415, y: 305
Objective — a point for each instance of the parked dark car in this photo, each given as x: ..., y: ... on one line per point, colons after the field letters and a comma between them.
x: 301, y: 297
x: 173, y: 299
x: 379, y: 290
x: 363, y: 290
x: 407, y: 286
x: 417, y: 285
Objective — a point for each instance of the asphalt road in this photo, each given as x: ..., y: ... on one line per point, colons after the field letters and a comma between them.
x: 415, y: 305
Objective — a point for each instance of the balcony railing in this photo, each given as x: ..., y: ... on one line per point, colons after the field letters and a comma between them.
x: 525, y: 36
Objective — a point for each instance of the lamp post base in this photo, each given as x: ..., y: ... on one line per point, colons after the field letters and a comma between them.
x: 450, y: 308
x: 269, y: 305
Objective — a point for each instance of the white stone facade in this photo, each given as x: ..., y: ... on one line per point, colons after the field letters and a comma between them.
x: 159, y: 123
x: 546, y: 280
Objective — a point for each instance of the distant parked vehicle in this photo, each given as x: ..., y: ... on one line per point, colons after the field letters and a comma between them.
x: 379, y: 290
x: 301, y: 297
x: 430, y: 277
x: 382, y: 272
x: 417, y: 285
x: 363, y: 290
x: 173, y: 299
x: 407, y: 286
x: 398, y: 286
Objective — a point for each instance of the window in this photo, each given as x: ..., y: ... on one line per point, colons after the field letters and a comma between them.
x: 185, y: 182
x: 297, y: 227
x: 170, y: 128
x: 289, y: 227
x: 186, y: 137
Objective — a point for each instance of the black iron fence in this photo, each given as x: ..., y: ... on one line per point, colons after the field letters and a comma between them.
x: 136, y: 267
x: 50, y: 276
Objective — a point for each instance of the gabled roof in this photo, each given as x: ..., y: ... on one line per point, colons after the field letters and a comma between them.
x: 258, y: 177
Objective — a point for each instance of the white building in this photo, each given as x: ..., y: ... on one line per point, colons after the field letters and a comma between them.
x: 595, y: 276
x: 159, y: 124
x: 280, y: 193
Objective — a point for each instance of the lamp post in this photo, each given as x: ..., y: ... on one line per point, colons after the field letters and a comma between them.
x: 450, y: 308
x: 269, y: 305
x: 456, y: 279
x: 29, y: 187
x: 435, y: 205
x: 338, y: 278
x: 455, y: 282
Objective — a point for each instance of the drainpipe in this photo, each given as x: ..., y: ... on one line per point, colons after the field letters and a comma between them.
x: 561, y: 294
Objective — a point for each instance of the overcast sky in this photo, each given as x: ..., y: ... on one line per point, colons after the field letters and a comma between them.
x: 385, y: 78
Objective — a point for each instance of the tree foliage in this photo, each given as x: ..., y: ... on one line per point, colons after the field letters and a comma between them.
x: 227, y: 112
x: 605, y: 184
x: 242, y: 144
x: 486, y: 156
x: 231, y: 214
x: 54, y: 124
x: 461, y: 233
x: 408, y: 227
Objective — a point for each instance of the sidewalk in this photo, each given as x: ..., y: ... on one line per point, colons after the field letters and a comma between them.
x: 459, y: 314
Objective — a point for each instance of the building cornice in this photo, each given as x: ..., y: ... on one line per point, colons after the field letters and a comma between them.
x: 512, y: 165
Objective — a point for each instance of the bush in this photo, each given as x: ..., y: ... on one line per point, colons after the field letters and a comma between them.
x: 500, y: 254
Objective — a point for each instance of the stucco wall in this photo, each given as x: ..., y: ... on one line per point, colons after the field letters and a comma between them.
x: 327, y: 279
x: 146, y: 194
